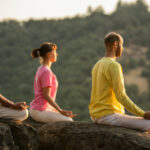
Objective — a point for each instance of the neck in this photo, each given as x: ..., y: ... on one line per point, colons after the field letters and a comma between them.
x: 110, y: 53
x: 47, y: 63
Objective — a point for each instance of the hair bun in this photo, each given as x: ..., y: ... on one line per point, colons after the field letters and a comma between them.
x: 35, y: 53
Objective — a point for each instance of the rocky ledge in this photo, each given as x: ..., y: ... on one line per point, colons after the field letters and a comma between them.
x: 17, y: 136
x: 31, y: 135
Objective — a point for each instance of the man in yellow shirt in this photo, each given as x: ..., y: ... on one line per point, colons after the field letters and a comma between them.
x: 108, y: 96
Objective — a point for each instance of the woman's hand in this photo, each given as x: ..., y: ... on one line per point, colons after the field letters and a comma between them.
x: 67, y: 113
x: 147, y: 115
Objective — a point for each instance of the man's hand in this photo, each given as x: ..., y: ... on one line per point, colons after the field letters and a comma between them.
x: 20, y: 106
x: 147, y: 115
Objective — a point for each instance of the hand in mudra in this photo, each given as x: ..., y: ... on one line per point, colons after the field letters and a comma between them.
x: 68, y: 113
x: 147, y: 115
x: 20, y: 106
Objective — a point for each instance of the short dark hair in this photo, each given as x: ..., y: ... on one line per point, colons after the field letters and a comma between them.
x: 111, y: 37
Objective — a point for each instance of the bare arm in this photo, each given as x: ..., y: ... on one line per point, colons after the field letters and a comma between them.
x: 7, y: 103
x: 4, y: 101
x: 46, y: 93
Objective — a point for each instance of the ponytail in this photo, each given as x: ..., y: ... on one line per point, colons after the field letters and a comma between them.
x: 44, y: 48
x: 35, y: 53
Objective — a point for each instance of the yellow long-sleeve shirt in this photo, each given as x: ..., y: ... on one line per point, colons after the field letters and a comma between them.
x: 108, y: 94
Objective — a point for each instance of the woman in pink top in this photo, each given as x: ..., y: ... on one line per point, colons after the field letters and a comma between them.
x: 44, y: 108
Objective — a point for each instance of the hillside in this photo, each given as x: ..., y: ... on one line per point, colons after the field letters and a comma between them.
x: 80, y: 45
x: 137, y: 61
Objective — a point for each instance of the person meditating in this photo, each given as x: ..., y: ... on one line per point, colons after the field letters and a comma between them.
x: 10, y: 110
x: 108, y: 96
x: 44, y: 108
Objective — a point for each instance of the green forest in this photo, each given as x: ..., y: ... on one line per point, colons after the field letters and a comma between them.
x: 80, y: 46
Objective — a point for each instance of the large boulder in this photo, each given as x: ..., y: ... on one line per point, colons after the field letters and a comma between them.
x: 90, y: 136
x: 32, y: 135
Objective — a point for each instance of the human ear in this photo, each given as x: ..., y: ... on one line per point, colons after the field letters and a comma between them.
x: 49, y: 55
x: 115, y: 44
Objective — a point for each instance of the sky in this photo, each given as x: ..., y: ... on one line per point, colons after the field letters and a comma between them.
x: 38, y: 9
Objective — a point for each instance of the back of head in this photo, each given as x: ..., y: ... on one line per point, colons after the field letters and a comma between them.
x: 110, y: 38
x: 44, y: 48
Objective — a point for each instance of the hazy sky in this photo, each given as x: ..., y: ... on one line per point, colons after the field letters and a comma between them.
x: 24, y: 9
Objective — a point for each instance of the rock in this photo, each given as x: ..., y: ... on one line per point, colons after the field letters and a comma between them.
x: 33, y: 123
x: 6, y: 138
x: 90, y: 136
x: 17, y: 136
x: 32, y: 135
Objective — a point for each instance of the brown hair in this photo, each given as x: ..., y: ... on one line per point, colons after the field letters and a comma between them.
x: 111, y: 37
x: 44, y: 48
